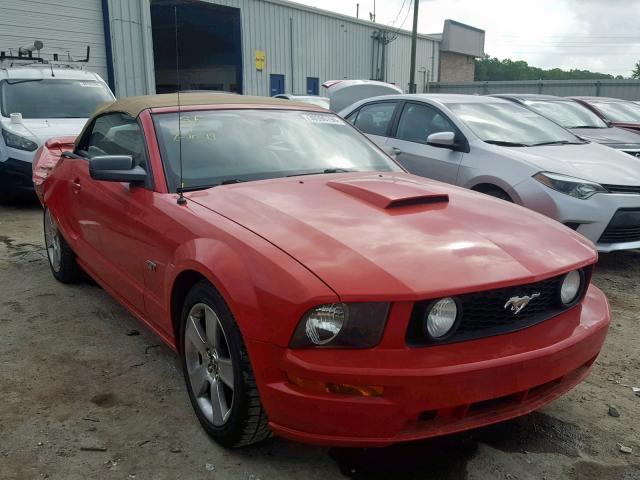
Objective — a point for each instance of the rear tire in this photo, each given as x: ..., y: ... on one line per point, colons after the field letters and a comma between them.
x: 217, y: 371
x: 62, y: 260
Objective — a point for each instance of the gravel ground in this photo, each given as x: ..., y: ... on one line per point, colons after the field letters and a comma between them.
x: 87, y: 392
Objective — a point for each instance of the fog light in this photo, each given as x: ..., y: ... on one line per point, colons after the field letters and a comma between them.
x: 570, y: 287
x: 441, y: 317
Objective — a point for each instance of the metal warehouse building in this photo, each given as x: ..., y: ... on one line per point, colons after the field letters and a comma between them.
x: 259, y: 47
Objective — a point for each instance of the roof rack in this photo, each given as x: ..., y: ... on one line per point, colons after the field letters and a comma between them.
x: 26, y: 58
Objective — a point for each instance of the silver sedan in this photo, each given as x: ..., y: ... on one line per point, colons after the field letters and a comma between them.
x: 508, y: 151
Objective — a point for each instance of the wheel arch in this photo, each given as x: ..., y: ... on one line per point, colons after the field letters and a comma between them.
x: 182, y: 284
x: 266, y: 290
x: 485, y: 184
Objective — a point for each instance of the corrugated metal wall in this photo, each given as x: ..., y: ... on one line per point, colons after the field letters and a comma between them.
x: 329, y: 47
x: 132, y: 48
x: 62, y: 25
x: 625, y: 89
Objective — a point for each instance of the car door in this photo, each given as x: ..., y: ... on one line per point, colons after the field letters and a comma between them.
x: 375, y: 119
x: 409, y: 142
x: 111, y: 214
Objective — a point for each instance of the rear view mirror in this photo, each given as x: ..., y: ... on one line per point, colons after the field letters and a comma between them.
x: 116, y: 168
x: 442, y: 140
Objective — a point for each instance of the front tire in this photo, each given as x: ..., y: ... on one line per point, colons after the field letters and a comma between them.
x: 217, y: 371
x: 498, y: 193
x: 62, y: 260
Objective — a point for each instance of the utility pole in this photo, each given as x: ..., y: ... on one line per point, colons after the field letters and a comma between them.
x: 357, y: 10
x: 414, y: 38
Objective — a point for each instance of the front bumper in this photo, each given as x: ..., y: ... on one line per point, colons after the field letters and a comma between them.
x: 429, y: 391
x: 16, y: 177
x: 592, y: 215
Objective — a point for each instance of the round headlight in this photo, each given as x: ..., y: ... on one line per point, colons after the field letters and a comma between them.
x: 441, y: 317
x: 325, y: 322
x: 570, y: 287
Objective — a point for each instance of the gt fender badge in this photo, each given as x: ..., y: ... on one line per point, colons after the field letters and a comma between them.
x: 517, y: 304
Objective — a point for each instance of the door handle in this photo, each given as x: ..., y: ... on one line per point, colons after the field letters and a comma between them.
x: 396, y: 150
x: 75, y: 185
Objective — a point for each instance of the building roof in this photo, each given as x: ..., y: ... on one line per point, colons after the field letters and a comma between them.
x: 134, y: 105
x: 349, y: 18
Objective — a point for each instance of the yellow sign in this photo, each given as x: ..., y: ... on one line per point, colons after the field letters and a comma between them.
x: 260, y: 60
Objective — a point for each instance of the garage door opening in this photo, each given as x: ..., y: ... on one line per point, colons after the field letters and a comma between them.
x: 209, y: 45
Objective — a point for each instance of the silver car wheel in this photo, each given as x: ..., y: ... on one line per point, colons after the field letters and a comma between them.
x: 52, y: 241
x: 209, y: 364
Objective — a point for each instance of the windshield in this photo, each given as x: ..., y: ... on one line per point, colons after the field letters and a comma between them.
x: 228, y: 146
x: 511, y: 125
x: 619, y: 111
x: 52, y: 98
x: 567, y: 114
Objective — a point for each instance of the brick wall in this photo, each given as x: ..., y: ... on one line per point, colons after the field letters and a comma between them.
x: 455, y: 67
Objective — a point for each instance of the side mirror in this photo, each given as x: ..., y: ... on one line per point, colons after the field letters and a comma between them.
x: 116, y: 168
x: 389, y: 151
x: 442, y: 140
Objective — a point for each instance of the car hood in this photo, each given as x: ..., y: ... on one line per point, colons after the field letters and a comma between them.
x: 589, y: 161
x: 611, y: 136
x: 40, y: 130
x: 398, y: 236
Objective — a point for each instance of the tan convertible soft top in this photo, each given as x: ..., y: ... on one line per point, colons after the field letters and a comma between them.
x: 134, y: 105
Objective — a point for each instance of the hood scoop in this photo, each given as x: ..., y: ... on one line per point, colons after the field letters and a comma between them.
x: 390, y: 192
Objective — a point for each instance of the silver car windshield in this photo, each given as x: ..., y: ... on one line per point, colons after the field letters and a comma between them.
x: 511, y: 125
x: 231, y: 146
x: 567, y: 114
x: 619, y: 111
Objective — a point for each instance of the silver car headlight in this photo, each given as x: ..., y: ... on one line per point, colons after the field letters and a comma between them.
x: 572, y: 186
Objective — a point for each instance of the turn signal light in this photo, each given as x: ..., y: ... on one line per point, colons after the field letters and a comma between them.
x: 342, y: 388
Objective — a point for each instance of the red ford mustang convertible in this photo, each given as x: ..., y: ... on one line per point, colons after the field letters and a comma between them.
x: 311, y: 287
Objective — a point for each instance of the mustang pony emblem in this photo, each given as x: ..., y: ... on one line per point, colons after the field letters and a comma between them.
x: 518, y: 303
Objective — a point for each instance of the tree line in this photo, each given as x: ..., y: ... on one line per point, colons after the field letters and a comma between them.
x: 493, y: 69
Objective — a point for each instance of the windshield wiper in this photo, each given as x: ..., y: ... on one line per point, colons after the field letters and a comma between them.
x: 557, y: 142
x: 230, y: 181
x: 584, y: 126
x: 326, y: 170
x: 15, y: 82
x: 504, y: 143
x: 195, y: 188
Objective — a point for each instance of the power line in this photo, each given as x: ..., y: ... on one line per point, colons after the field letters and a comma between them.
x: 399, y: 12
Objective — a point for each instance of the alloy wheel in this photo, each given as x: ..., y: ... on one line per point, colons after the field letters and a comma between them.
x: 52, y: 241
x: 209, y: 364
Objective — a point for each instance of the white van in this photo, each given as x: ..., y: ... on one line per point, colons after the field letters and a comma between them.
x: 38, y: 101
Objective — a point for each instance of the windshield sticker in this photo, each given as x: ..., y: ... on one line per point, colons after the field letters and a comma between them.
x: 195, y: 136
x: 90, y: 84
x: 323, y: 118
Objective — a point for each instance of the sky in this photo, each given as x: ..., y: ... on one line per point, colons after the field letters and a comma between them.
x: 597, y: 35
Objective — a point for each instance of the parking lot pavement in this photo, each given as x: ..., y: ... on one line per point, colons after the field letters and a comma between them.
x: 83, y: 395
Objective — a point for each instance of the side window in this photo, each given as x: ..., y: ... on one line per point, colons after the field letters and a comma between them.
x: 374, y: 119
x: 418, y: 121
x: 116, y: 134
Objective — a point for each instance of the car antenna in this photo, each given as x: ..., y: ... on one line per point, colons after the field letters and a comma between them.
x: 181, y: 198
